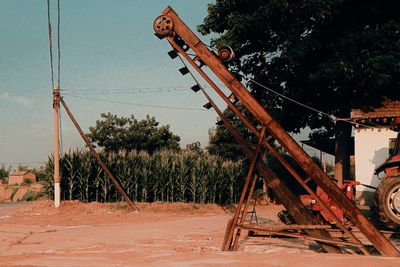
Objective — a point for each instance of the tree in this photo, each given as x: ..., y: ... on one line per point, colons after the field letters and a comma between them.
x: 22, y: 168
x: 332, y: 55
x: 222, y: 143
x: 4, y: 172
x: 115, y: 133
x: 195, y: 147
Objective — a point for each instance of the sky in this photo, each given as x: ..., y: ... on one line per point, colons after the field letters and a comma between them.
x: 105, y: 45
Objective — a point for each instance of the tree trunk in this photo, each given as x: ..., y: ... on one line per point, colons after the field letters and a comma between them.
x: 342, y: 151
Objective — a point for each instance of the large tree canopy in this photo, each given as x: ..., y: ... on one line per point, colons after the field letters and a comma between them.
x: 115, y: 133
x: 332, y: 55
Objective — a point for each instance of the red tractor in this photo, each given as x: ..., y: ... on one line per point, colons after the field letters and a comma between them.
x: 386, y: 204
x: 387, y: 196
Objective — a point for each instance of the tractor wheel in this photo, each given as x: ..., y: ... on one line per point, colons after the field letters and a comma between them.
x: 387, y: 202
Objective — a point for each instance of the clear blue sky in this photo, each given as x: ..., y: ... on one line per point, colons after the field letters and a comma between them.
x: 105, y: 45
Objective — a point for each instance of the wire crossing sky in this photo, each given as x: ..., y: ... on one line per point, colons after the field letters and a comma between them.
x: 104, y: 45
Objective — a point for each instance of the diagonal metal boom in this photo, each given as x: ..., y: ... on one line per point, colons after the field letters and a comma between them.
x: 171, y: 26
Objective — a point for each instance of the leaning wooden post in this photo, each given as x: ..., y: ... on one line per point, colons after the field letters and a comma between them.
x: 130, y: 203
x: 56, y: 153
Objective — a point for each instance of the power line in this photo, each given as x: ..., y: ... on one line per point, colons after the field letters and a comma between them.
x: 330, y: 116
x: 22, y: 162
x: 138, y: 104
x: 123, y: 91
x: 358, y: 123
x: 50, y: 43
x: 58, y: 42
x: 137, y: 90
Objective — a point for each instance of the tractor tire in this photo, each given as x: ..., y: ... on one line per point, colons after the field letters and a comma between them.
x: 387, y: 202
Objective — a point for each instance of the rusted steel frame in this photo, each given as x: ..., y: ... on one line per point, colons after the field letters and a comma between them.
x: 308, y: 237
x: 325, y: 206
x: 257, y: 133
x: 351, y: 211
x: 244, y: 214
x: 97, y: 156
x: 235, y: 243
x: 254, y: 130
x: 295, y: 227
x: 213, y: 85
x: 288, y: 199
x: 246, y: 207
x: 259, y: 156
x: 238, y: 210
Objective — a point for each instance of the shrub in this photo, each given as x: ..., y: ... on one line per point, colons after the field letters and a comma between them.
x: 31, y: 196
x: 27, y: 182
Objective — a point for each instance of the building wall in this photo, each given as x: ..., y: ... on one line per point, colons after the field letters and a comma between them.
x: 15, y: 179
x: 19, y: 178
x: 371, y: 150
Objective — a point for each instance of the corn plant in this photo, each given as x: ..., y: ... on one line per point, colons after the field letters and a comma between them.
x: 184, y: 176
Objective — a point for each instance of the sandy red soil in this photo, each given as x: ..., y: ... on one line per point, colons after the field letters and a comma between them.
x: 161, y: 234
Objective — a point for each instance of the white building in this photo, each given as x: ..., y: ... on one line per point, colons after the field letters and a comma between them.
x: 373, y: 136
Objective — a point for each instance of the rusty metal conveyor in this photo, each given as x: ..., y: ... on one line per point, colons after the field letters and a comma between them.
x: 189, y: 47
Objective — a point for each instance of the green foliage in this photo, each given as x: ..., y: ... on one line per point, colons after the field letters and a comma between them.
x: 27, y: 182
x: 4, y: 172
x: 184, y: 176
x: 40, y: 173
x: 333, y: 55
x: 23, y: 167
x: 195, y: 147
x: 31, y: 196
x: 115, y: 133
x: 222, y: 143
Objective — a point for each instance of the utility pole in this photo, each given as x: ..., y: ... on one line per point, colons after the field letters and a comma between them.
x: 56, y: 108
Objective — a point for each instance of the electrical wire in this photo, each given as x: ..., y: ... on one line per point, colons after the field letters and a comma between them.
x: 330, y: 116
x: 60, y: 141
x: 58, y: 43
x: 133, y: 88
x: 123, y: 91
x: 50, y: 43
x: 137, y: 104
x: 50, y: 33
x: 23, y: 162
x: 137, y: 90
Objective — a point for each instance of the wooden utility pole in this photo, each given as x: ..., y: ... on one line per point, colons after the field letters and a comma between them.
x: 56, y: 108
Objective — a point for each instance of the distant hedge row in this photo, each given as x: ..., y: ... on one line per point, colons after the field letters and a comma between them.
x: 171, y: 176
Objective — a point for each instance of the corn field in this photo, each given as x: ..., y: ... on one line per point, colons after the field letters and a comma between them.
x: 169, y: 176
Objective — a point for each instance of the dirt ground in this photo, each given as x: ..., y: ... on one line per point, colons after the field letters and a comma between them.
x: 161, y: 234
